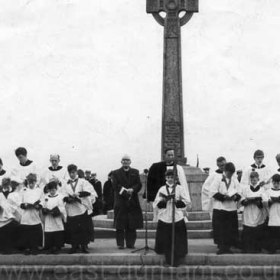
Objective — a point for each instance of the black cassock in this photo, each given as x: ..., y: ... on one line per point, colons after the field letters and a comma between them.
x: 156, y: 179
x: 97, y: 206
x: 127, y: 210
x: 108, y: 196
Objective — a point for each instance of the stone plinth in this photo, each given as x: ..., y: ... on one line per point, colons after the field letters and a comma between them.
x: 195, y: 177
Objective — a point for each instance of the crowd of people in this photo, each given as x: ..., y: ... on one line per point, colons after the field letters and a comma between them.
x: 45, y: 210
x: 255, y: 196
x: 49, y: 210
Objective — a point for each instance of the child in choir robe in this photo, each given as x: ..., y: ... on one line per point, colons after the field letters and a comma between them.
x: 254, y: 215
x: 226, y: 193
x: 8, y: 219
x: 25, y: 166
x: 163, y: 202
x: 54, y: 213
x: 206, y: 199
x: 258, y: 166
x: 273, y: 240
x: 31, y: 224
x: 79, y: 196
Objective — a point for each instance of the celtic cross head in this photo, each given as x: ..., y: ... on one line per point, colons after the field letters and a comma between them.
x: 173, y: 7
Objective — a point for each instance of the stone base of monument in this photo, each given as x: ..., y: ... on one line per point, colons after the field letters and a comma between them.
x: 135, y: 266
x: 199, y: 223
x: 199, y: 226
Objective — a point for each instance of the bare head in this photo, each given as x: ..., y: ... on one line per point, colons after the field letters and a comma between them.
x: 126, y: 161
x: 169, y: 155
x: 54, y: 160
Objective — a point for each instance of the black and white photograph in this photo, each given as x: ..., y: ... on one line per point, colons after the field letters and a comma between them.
x: 139, y: 139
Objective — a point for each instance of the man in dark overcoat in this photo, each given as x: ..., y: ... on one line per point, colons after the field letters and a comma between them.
x: 108, y: 194
x: 127, y: 211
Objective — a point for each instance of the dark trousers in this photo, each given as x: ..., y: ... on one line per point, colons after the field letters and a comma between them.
x: 129, y: 235
x: 273, y: 239
x: 252, y: 238
x: 225, y: 228
x: 164, y: 240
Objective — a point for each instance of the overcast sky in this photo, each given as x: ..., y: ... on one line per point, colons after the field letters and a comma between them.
x: 84, y: 79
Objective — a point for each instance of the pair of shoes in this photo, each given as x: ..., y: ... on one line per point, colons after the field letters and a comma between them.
x: 73, y: 250
x: 271, y: 252
x: 54, y: 251
x: 27, y: 252
x: 84, y: 249
x: 130, y: 247
x: 223, y: 252
x: 121, y: 247
x: 34, y: 251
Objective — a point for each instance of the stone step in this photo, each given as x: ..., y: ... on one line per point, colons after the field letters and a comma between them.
x: 192, y: 216
x: 102, y: 221
x: 115, y: 272
x: 109, y: 223
x: 128, y: 258
x: 110, y: 233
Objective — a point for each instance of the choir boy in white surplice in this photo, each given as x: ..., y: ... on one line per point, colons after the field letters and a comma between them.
x: 79, y: 196
x: 258, y: 166
x: 25, y: 165
x: 31, y: 224
x: 206, y: 199
x: 54, y: 217
x: 8, y: 219
x: 273, y: 239
x: 156, y: 177
x: 163, y: 202
x: 226, y: 194
x: 55, y: 172
x: 254, y: 215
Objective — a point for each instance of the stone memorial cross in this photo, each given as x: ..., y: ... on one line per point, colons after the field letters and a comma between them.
x: 172, y: 105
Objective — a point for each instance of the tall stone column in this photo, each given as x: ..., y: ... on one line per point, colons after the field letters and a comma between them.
x: 172, y: 101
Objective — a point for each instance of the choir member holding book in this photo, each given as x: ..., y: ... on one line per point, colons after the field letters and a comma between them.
x: 171, y: 236
x: 226, y: 193
x: 254, y: 215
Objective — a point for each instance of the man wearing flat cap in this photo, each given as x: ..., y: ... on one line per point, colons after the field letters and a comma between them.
x: 258, y: 166
x: 127, y: 211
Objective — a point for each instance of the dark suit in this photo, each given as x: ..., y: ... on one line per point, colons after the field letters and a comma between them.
x: 108, y: 196
x: 97, y: 206
x: 127, y: 210
x: 156, y: 179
